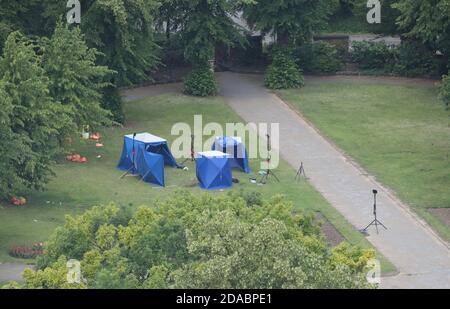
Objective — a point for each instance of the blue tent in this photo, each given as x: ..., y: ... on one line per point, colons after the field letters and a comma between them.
x: 235, y: 148
x: 149, y: 143
x: 213, y: 170
x: 151, y: 167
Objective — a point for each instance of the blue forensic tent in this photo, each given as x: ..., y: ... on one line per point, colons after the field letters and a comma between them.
x: 151, y: 167
x: 235, y: 148
x: 214, y: 170
x: 148, y: 142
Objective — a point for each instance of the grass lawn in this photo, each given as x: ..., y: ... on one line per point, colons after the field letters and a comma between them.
x: 78, y: 187
x: 399, y: 133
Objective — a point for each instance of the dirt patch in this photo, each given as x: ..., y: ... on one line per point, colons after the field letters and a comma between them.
x: 332, y: 235
x: 442, y: 214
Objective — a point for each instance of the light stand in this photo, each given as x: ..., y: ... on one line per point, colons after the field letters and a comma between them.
x: 268, y: 172
x: 132, y: 169
x: 301, y: 172
x: 375, y: 222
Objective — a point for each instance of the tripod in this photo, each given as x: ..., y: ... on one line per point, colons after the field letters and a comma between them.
x: 268, y: 172
x: 301, y: 172
x: 192, y: 158
x: 132, y: 169
x: 375, y: 222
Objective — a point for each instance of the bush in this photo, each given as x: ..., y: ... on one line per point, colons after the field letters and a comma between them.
x: 113, y: 102
x: 372, y: 55
x: 414, y: 59
x: 201, y: 82
x: 283, y: 73
x: 320, y: 57
x: 172, y: 51
x: 444, y: 91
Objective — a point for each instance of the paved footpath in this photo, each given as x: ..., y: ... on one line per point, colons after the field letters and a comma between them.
x: 422, y: 259
x: 12, y: 272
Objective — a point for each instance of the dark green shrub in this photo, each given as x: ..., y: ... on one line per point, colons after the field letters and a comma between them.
x: 320, y: 57
x: 283, y: 73
x: 372, y: 55
x: 414, y: 59
x: 201, y: 82
x: 444, y: 91
x: 251, y: 53
x: 172, y: 51
x: 112, y: 101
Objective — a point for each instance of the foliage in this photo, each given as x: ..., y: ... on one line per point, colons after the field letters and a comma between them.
x: 208, y: 23
x: 410, y: 59
x: 426, y: 20
x: 372, y: 55
x: 414, y: 59
x: 121, y: 30
x: 201, y: 82
x: 198, y: 242
x: 444, y: 91
x: 75, y: 80
x: 319, y: 57
x: 112, y: 101
x: 32, y: 121
x: 283, y: 73
x: 172, y: 51
x: 289, y: 19
x: 353, y: 257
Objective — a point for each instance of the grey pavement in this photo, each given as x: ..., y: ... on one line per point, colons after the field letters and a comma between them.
x: 12, y: 272
x: 422, y: 258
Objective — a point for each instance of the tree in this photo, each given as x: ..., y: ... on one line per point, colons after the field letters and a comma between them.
x: 75, y: 80
x: 32, y: 121
x: 205, y: 25
x: 122, y: 31
x: 289, y: 19
x: 205, y: 241
x: 426, y: 20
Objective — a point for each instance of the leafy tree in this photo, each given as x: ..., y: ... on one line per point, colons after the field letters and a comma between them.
x: 122, y: 31
x: 170, y: 16
x: 75, y: 80
x: 32, y: 120
x: 24, y: 16
x: 199, y: 242
x: 426, y: 20
x: 289, y: 19
x: 205, y: 25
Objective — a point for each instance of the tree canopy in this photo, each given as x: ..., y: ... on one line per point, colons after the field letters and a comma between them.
x: 32, y: 121
x: 229, y: 241
x: 289, y: 19
x: 426, y: 20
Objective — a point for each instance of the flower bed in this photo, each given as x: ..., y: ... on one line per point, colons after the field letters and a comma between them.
x: 27, y: 252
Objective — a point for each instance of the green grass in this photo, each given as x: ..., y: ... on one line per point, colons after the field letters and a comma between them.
x: 78, y: 187
x: 400, y: 134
